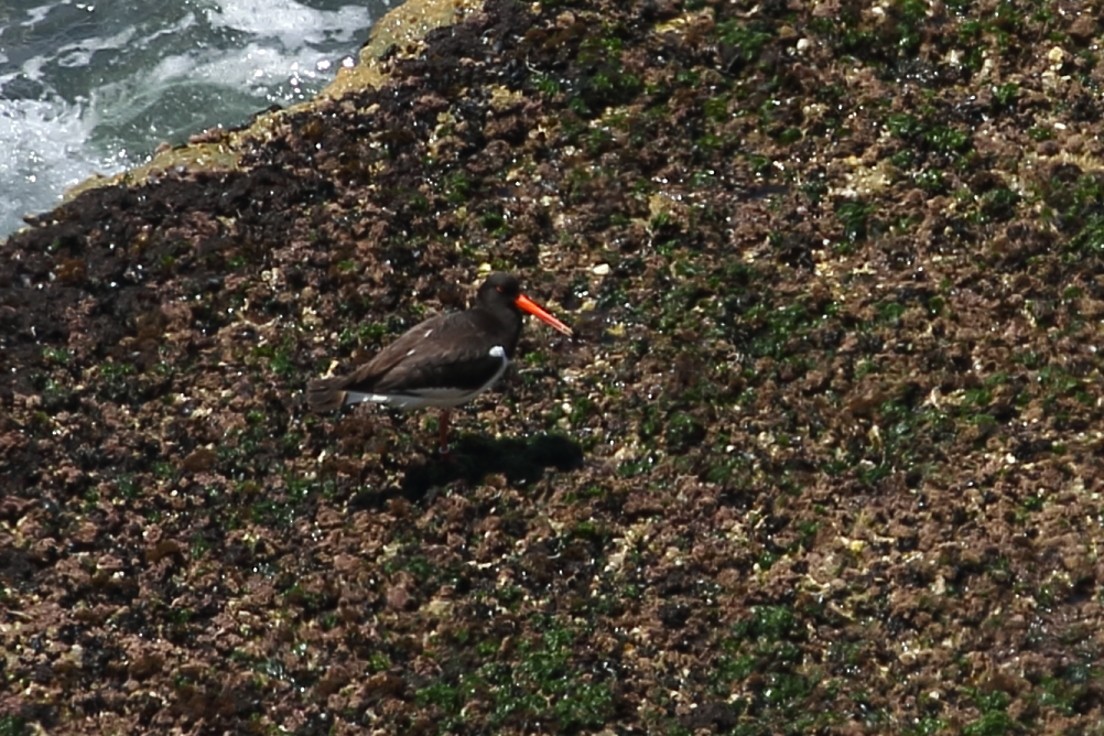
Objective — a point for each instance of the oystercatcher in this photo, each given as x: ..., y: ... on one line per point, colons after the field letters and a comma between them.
x: 443, y: 361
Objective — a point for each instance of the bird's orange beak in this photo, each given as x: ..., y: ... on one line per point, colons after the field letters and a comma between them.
x: 529, y: 306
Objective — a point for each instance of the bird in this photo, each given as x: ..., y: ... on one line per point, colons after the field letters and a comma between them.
x: 442, y: 362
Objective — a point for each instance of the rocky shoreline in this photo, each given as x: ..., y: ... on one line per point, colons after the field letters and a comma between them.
x: 824, y: 456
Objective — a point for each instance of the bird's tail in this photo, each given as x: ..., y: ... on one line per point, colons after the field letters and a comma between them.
x: 326, y: 394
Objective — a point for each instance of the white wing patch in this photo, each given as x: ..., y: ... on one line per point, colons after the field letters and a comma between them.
x: 356, y: 397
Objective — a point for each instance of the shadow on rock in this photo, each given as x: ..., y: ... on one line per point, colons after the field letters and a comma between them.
x: 473, y: 457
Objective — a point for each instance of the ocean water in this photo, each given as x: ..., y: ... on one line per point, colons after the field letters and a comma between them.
x: 94, y: 86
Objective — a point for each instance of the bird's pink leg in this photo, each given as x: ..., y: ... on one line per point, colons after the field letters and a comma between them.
x: 443, y: 429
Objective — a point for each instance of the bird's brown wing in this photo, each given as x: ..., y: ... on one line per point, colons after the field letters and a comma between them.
x: 447, y: 351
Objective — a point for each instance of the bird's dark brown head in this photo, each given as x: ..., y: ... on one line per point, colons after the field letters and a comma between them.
x: 502, y: 288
